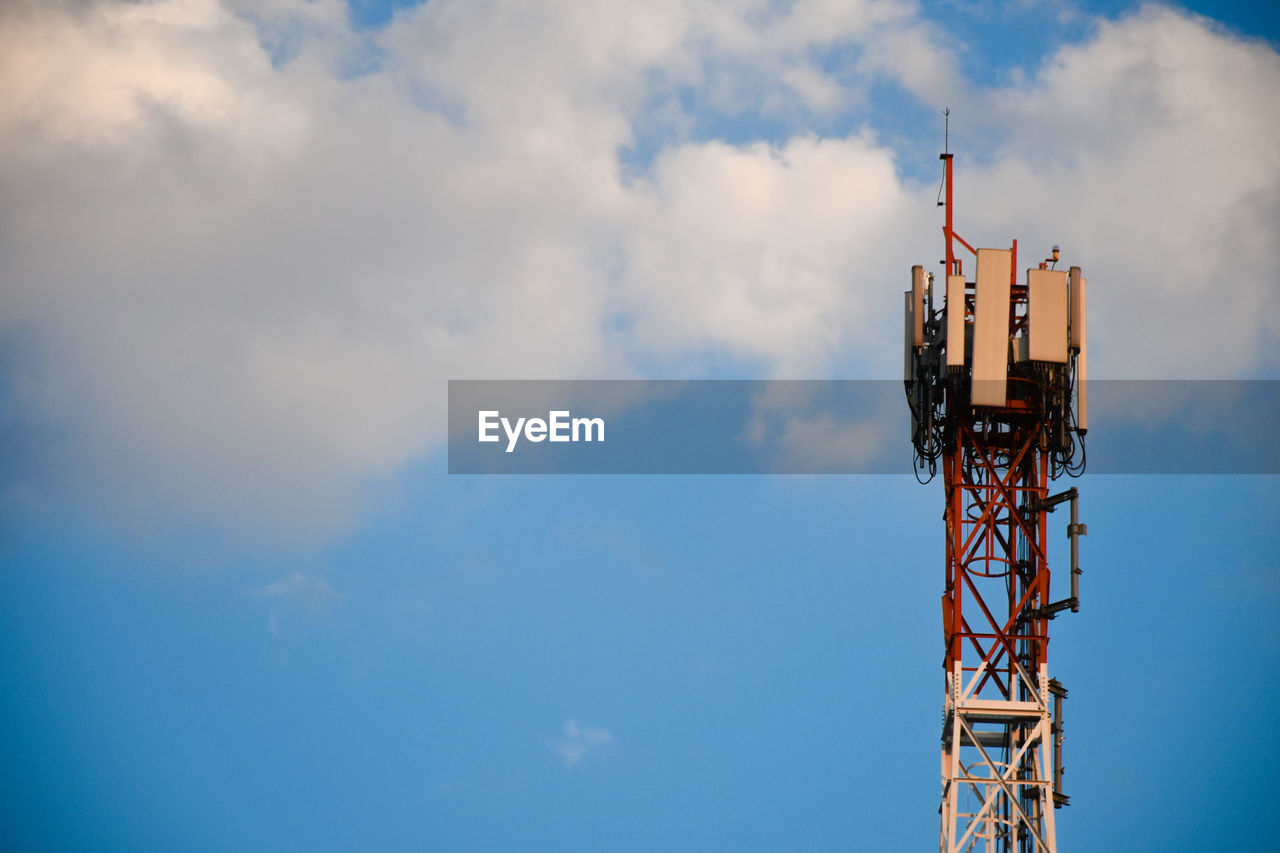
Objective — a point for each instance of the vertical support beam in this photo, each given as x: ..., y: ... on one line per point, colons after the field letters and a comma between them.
x: 948, y: 231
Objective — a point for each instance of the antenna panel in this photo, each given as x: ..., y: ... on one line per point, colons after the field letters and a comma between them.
x: 1047, y: 316
x: 908, y: 338
x: 991, y: 327
x: 955, y: 322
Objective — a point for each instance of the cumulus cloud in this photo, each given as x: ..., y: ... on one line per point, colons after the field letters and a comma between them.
x: 1147, y: 146
x: 765, y: 252
x: 243, y: 246
x: 579, y: 741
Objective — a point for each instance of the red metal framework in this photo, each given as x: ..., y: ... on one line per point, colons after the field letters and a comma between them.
x: 995, y: 628
x: 996, y: 561
x: 1001, y: 741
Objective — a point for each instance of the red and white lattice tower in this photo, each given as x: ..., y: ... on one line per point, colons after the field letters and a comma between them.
x: 994, y: 375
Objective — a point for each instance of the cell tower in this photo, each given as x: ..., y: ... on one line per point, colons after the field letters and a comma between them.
x: 995, y: 379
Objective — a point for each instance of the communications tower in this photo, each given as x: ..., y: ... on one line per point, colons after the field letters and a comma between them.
x: 995, y: 379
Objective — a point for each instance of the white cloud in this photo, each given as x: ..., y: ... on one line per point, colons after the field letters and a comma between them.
x: 773, y: 254
x: 579, y: 741
x: 244, y: 325
x: 300, y: 589
x: 828, y: 444
x: 819, y: 91
x: 1148, y: 147
x: 295, y: 600
x: 236, y: 272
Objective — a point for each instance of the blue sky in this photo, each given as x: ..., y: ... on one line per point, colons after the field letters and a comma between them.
x: 243, y: 247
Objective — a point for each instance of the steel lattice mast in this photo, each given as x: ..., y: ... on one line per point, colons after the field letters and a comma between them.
x: 995, y: 382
